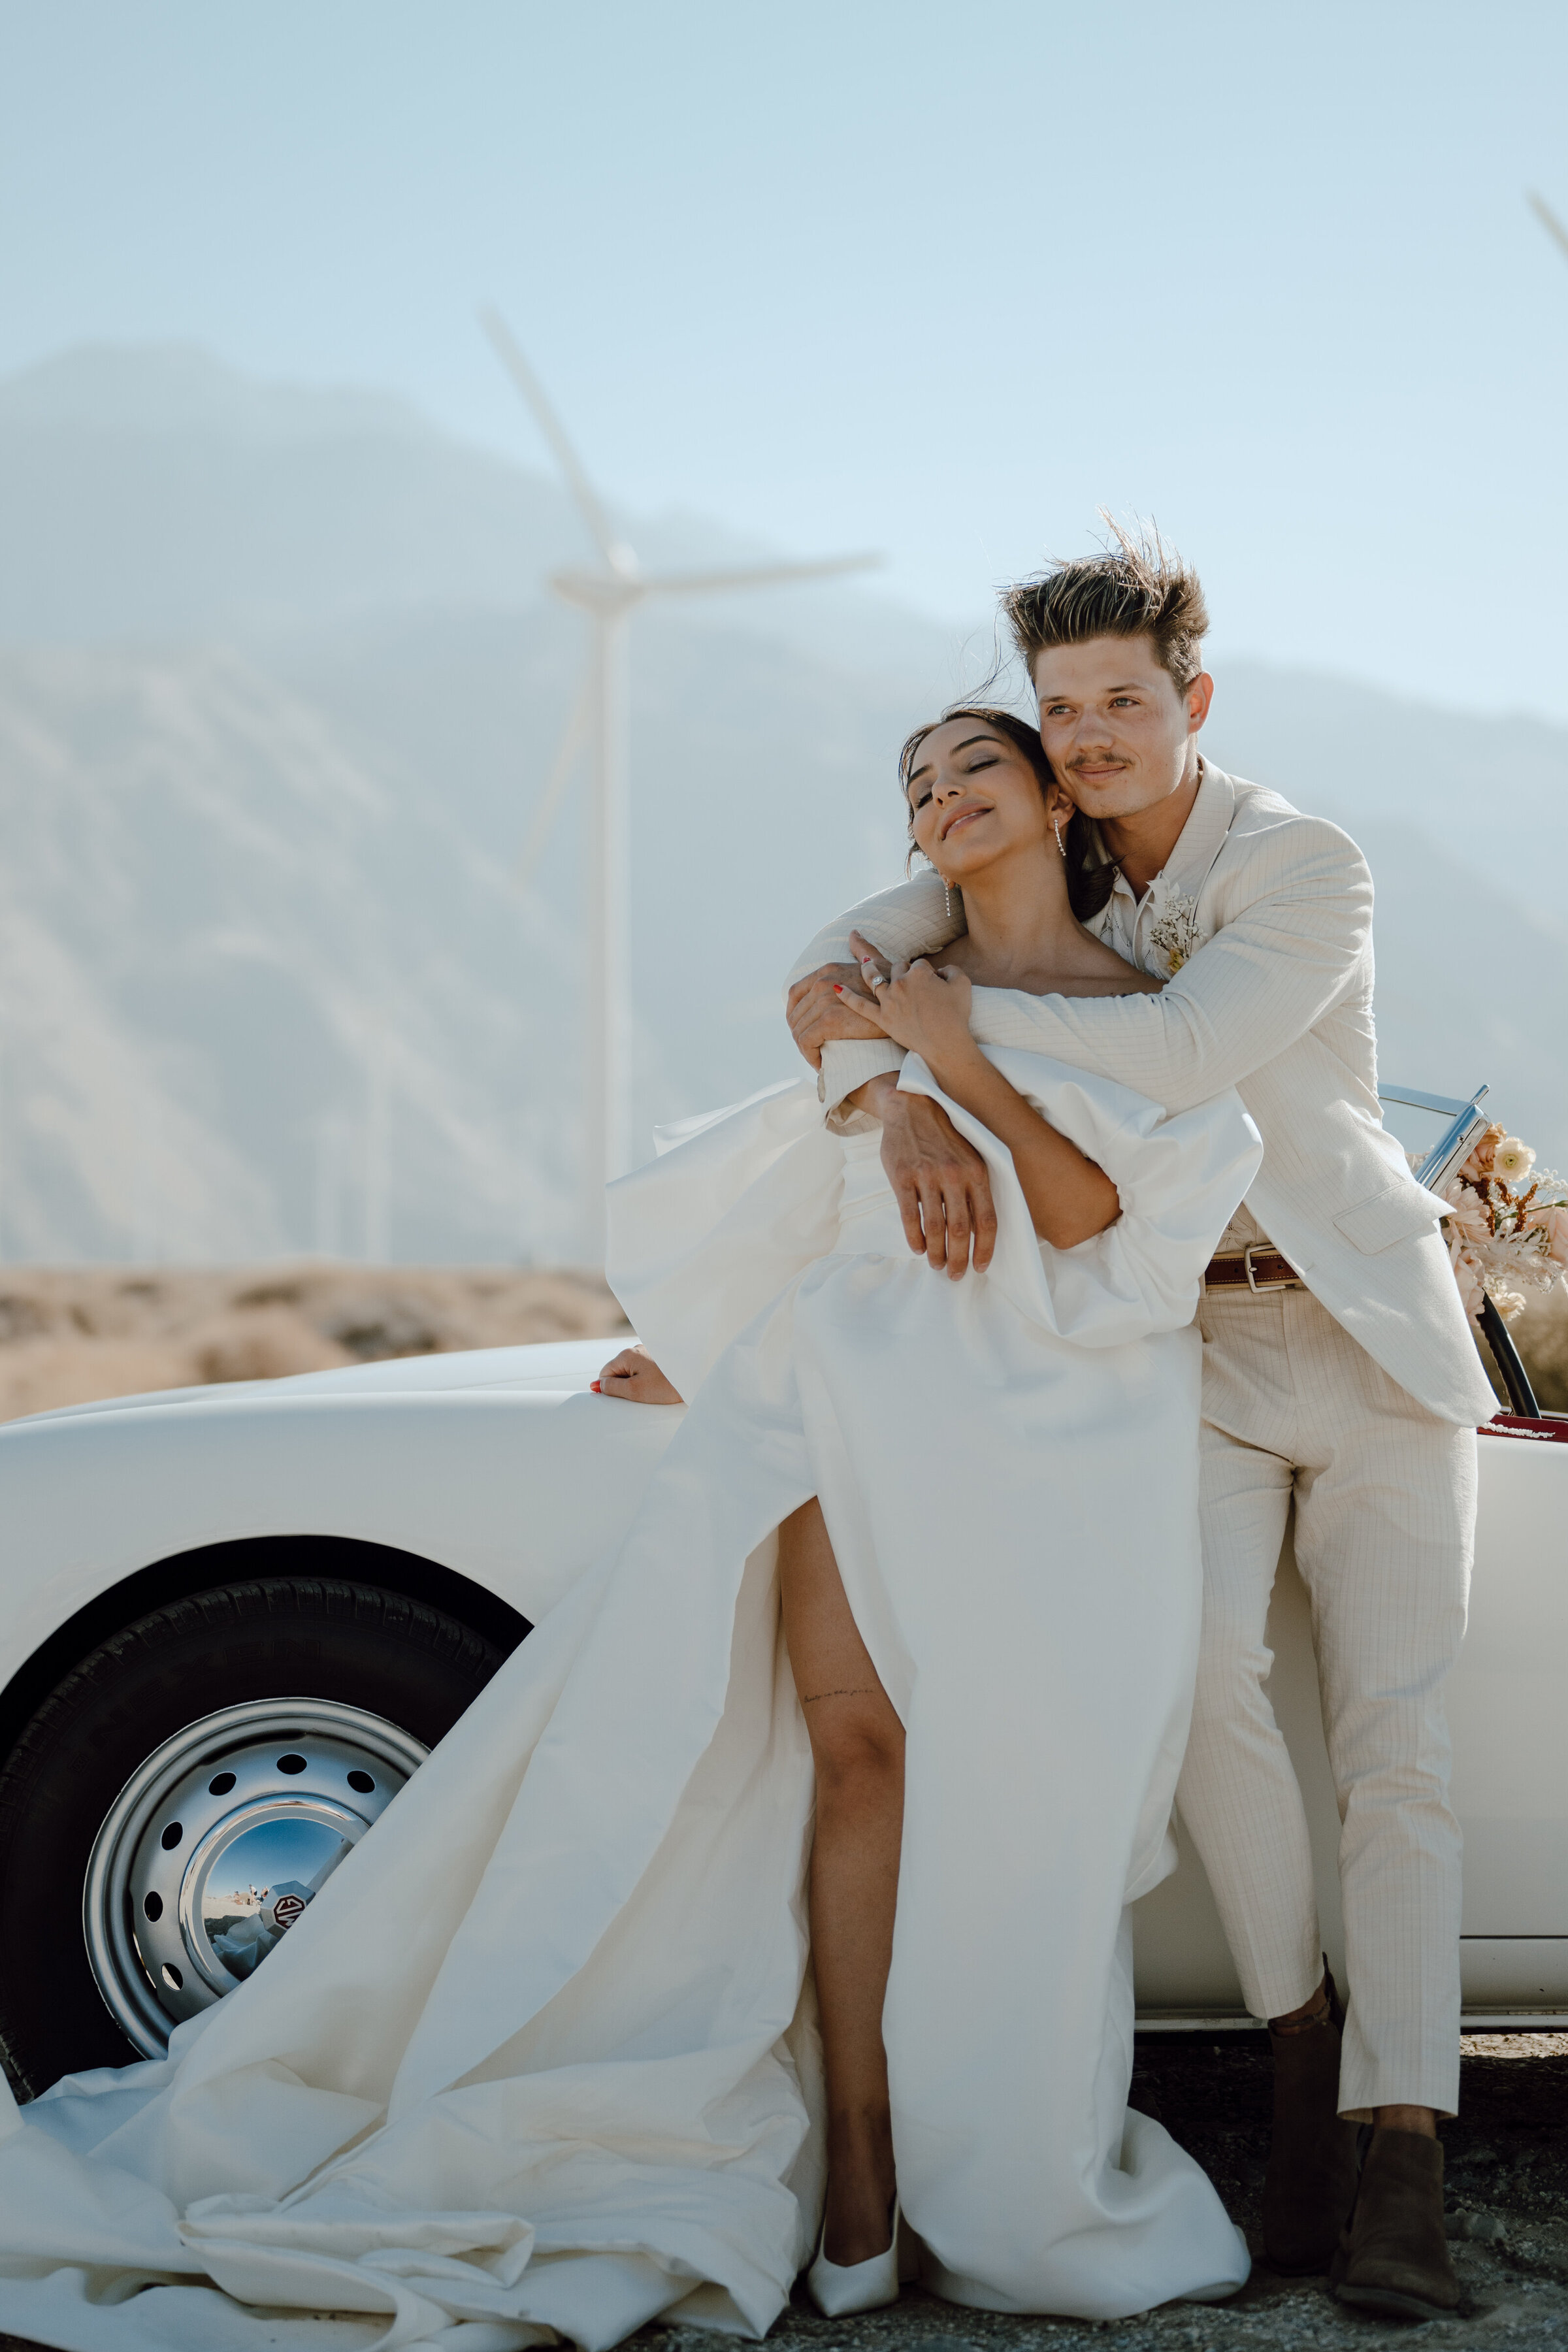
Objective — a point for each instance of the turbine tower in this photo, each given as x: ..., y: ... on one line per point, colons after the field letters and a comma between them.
x: 608, y: 596
x: 1548, y: 219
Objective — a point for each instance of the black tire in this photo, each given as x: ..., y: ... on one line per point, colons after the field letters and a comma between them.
x: 308, y: 1637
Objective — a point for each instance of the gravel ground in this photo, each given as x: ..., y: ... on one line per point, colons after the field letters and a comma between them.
x: 1507, y: 2169
x: 1507, y: 2157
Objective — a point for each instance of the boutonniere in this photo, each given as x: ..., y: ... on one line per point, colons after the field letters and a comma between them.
x: 1174, y: 932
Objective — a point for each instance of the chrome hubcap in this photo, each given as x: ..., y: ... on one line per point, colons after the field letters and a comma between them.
x: 217, y: 1843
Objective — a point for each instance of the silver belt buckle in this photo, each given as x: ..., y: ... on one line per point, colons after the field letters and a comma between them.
x: 1283, y: 1283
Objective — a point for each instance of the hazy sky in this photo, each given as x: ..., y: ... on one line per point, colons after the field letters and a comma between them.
x: 847, y: 272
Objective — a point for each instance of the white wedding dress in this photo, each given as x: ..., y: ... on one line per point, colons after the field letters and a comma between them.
x: 541, y: 2055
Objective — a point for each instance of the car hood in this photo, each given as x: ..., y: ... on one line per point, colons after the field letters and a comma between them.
x: 553, y: 1365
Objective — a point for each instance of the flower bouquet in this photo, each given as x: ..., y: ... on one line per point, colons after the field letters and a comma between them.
x: 1507, y: 1227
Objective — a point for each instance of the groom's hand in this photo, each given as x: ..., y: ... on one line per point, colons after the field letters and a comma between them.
x: 819, y: 1017
x: 941, y: 1183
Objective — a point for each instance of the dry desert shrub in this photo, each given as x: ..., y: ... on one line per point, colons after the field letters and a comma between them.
x: 1541, y: 1335
x: 70, y: 1335
x: 265, y: 1343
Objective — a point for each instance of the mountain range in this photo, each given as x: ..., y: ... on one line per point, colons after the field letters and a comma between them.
x: 280, y: 682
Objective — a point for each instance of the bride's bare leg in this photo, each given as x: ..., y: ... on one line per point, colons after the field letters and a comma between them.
x: 857, y: 1744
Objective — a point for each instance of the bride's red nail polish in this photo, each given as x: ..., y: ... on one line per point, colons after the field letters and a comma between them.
x: 836, y: 990
x: 596, y: 1389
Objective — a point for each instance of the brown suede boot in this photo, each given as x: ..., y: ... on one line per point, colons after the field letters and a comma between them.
x: 1310, y: 2186
x: 1394, y: 2255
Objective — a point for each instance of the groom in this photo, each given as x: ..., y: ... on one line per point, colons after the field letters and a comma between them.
x: 1338, y: 1373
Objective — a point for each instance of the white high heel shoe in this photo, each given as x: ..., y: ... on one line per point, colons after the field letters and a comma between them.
x: 837, y: 2289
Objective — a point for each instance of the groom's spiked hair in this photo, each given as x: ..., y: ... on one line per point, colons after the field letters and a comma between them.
x: 1139, y: 588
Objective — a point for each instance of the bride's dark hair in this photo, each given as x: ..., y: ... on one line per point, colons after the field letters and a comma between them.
x: 1089, y: 873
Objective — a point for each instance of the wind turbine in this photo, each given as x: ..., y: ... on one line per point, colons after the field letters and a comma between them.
x: 1548, y: 218
x: 609, y: 595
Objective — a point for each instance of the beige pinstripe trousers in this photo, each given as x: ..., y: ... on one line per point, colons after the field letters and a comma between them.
x: 1385, y: 1499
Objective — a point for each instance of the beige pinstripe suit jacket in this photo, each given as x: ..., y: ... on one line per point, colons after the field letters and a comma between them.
x: 1277, y: 1004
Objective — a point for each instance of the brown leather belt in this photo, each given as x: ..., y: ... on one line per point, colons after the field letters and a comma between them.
x: 1257, y: 1270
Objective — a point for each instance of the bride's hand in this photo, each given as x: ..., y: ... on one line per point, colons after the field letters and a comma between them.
x: 636, y: 1379
x: 920, y: 1008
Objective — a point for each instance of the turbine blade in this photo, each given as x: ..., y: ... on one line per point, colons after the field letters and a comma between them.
x: 506, y: 350
x: 548, y: 802
x: 762, y: 575
x: 1548, y: 218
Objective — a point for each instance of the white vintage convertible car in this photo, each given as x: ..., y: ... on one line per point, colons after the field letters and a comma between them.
x: 233, y: 1621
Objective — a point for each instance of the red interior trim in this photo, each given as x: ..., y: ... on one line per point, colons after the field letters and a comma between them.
x: 1518, y: 1424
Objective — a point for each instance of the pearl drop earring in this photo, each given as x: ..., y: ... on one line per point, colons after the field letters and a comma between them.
x: 1057, y: 824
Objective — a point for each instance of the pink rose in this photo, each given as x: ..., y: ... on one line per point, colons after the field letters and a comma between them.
x: 1482, y: 1153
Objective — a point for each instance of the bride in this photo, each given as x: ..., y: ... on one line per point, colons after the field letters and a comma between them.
x: 544, y: 2058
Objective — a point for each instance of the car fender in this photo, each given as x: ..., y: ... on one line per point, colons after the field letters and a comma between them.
x: 518, y: 1491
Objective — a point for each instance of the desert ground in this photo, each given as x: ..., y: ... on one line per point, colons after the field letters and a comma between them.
x: 70, y: 1333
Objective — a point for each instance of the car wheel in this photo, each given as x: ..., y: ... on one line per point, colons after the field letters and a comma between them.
x: 179, y: 1798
